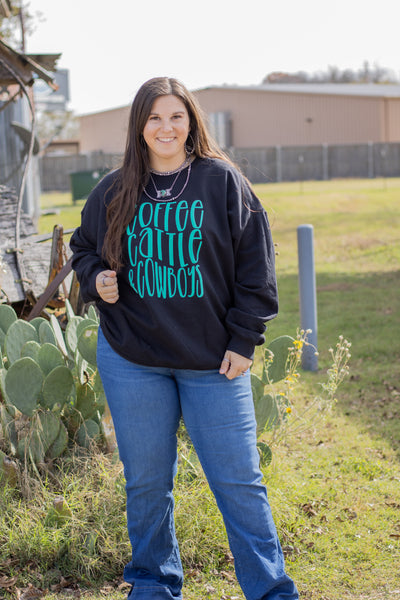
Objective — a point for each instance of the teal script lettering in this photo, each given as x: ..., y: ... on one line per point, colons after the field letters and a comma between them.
x: 164, y: 243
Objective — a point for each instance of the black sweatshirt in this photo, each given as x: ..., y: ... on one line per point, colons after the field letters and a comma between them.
x: 199, y: 274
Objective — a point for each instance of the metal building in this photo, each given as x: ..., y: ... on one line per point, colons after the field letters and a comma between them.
x: 304, y: 114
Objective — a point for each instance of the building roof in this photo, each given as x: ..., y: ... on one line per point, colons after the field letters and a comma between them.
x: 340, y: 89
x: 23, y: 66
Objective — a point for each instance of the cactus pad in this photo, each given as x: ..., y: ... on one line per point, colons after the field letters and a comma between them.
x: 257, y: 386
x: 92, y: 314
x: 18, y: 334
x: 48, y: 425
x: 267, y: 413
x: 87, y: 344
x: 36, y: 322
x: 31, y: 349
x: 87, y: 433
x: 23, y: 382
x: 49, y: 358
x: 85, y: 401
x: 57, y: 387
x: 9, y: 429
x: 58, y: 334
x: 276, y: 370
x: 99, y: 392
x: 71, y: 335
x: 46, y: 333
x: 7, y: 317
x: 59, y: 444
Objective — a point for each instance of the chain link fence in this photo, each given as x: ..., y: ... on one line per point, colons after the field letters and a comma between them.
x: 260, y: 165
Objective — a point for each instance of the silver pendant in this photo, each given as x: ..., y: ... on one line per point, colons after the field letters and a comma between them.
x: 164, y: 193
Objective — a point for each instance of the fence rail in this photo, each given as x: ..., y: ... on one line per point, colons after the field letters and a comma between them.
x: 323, y: 162
x: 56, y: 171
x: 260, y: 165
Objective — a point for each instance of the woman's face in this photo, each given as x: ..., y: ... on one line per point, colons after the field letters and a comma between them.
x: 165, y: 133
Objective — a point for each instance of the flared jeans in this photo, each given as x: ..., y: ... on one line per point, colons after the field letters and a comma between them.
x: 146, y: 405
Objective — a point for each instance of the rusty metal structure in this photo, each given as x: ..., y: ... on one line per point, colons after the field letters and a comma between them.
x: 31, y: 270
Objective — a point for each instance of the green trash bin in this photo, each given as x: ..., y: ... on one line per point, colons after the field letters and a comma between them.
x: 82, y: 182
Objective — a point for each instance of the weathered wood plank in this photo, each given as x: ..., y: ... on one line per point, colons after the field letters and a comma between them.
x: 36, y: 256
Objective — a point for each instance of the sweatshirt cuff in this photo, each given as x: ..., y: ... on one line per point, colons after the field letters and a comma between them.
x: 244, y: 347
x: 89, y: 291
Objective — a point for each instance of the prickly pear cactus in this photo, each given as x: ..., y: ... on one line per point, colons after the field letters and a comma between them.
x: 51, y: 393
x: 7, y: 421
x: 46, y: 437
x: 88, y: 433
x: 31, y: 349
x: 17, y: 335
x: 7, y: 317
x: 85, y: 401
x: 267, y: 413
x: 71, y: 334
x: 60, y: 443
x: 268, y: 406
x: 49, y: 357
x: 277, y: 354
x: 46, y: 333
x: 57, y: 387
x: 87, y: 344
x: 23, y: 384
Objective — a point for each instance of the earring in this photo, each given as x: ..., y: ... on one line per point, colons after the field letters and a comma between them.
x: 190, y: 150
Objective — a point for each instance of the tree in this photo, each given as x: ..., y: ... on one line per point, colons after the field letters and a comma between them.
x: 333, y: 74
x: 16, y: 21
x: 56, y: 125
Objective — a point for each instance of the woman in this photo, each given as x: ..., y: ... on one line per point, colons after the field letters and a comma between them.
x: 176, y: 251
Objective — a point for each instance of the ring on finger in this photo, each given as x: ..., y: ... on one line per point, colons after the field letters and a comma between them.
x: 103, y: 280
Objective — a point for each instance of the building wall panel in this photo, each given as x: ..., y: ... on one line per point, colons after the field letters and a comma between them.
x: 261, y: 118
x: 393, y: 120
x: 104, y: 131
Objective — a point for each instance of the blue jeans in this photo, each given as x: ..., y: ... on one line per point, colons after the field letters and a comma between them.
x: 146, y: 404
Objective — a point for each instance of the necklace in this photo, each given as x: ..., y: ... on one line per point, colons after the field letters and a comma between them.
x: 178, y: 170
x: 167, y: 193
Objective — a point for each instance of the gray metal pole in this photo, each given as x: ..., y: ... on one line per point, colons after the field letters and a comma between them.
x: 308, y: 295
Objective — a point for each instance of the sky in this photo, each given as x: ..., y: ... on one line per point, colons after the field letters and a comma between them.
x: 110, y: 47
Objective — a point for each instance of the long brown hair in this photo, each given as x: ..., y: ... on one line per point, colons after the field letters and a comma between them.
x: 134, y: 171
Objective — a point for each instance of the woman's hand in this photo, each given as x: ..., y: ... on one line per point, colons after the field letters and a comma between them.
x: 234, y: 364
x: 107, y: 286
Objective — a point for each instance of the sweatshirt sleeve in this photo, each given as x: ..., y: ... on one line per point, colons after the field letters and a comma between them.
x: 255, y: 298
x: 86, y: 244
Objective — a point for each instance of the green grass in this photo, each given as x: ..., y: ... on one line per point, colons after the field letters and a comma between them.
x: 357, y: 260
x: 63, y: 212
x: 333, y: 488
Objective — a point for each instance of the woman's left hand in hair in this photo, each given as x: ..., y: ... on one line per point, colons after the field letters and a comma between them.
x: 234, y: 364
